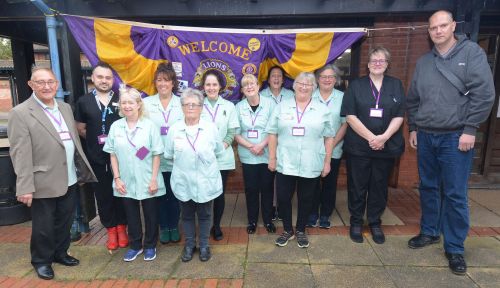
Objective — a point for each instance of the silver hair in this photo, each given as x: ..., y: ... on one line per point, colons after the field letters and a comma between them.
x: 305, y: 76
x: 335, y: 69
x: 192, y: 93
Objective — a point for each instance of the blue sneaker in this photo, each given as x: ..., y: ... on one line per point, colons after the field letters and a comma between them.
x: 131, y: 255
x: 324, y: 222
x: 149, y: 254
x: 312, y: 221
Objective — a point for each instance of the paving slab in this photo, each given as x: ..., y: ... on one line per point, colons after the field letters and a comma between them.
x: 482, y: 216
x: 261, y: 248
x: 230, y: 200
x: 428, y: 277
x: 485, y: 277
x: 331, y: 276
x: 15, y: 260
x: 325, y: 249
x: 92, y: 260
x: 486, y: 197
x: 278, y: 275
x: 482, y: 251
x: 160, y: 268
x: 227, y: 262
x: 395, y: 251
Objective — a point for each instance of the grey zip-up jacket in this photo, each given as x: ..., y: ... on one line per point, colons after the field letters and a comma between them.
x: 435, y: 105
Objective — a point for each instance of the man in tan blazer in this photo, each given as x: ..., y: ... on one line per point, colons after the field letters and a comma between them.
x: 49, y: 161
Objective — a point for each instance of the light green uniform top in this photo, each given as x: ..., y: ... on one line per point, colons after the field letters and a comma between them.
x: 69, y: 146
x: 163, y: 118
x: 301, y: 156
x: 249, y: 130
x: 134, y: 172
x: 284, y: 94
x: 194, y: 150
x: 223, y: 114
x: 334, y: 103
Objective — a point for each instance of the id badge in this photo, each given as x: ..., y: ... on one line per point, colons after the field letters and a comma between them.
x: 376, y: 112
x: 101, y: 139
x: 164, y: 130
x: 252, y: 134
x: 65, y: 136
x: 142, y: 153
x: 298, y: 131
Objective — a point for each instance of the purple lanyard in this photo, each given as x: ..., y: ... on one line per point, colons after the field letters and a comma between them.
x: 132, y: 138
x: 253, y: 119
x: 212, y: 115
x: 303, y: 112
x: 58, y: 122
x: 194, y: 142
x: 377, y: 97
x: 168, y: 116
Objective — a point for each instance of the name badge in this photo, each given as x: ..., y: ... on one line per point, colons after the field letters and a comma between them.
x: 65, y: 136
x: 114, y: 104
x: 142, y: 153
x: 376, y: 112
x: 252, y: 134
x: 298, y: 131
x: 101, y: 139
x: 164, y: 130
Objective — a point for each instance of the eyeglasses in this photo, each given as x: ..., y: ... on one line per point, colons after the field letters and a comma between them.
x: 378, y: 61
x: 41, y: 83
x: 191, y: 105
x: 327, y: 77
x: 250, y: 84
x: 305, y: 85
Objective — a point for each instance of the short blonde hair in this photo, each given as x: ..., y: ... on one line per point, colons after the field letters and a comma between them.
x: 134, y: 94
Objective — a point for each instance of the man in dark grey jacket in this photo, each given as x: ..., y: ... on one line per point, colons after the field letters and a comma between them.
x: 451, y: 94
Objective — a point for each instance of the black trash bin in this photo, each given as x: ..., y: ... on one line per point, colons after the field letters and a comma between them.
x: 11, y: 211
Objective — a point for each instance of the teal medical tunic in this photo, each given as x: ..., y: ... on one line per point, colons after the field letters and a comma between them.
x: 134, y: 172
x: 252, y: 128
x: 284, y: 94
x: 334, y: 103
x: 223, y: 115
x: 301, y: 156
x: 194, y: 150
x: 163, y: 119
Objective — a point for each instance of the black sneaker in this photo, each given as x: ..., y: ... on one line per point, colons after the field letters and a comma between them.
x: 456, y: 262
x: 302, y: 240
x: 251, y: 228
x: 324, y: 222
x: 217, y: 233
x: 355, y: 232
x: 377, y: 234
x: 205, y: 254
x: 187, y: 253
x: 422, y: 240
x: 270, y: 228
x: 284, y: 238
x: 312, y: 221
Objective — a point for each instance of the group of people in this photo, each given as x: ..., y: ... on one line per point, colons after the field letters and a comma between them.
x: 171, y: 155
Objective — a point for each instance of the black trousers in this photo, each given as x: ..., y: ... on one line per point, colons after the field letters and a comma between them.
x: 220, y: 202
x: 367, y: 187
x: 259, y: 189
x: 150, y: 212
x: 306, y: 187
x: 110, y: 208
x: 51, y: 223
x: 326, y: 193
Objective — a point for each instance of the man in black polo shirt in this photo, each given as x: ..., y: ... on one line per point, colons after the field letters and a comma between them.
x: 94, y: 113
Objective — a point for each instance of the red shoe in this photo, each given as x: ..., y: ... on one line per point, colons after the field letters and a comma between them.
x: 112, y: 243
x: 122, y: 236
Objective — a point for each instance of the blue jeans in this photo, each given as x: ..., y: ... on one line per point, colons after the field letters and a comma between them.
x: 168, y: 206
x: 444, y: 172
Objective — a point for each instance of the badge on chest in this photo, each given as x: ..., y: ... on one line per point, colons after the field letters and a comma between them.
x: 376, y: 112
x: 298, y: 131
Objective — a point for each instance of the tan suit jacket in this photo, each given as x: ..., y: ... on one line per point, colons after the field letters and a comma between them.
x: 38, y: 153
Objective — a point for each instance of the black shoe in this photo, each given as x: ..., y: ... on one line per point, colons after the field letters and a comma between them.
x: 270, y: 228
x: 377, y: 234
x: 205, y: 254
x: 456, y: 262
x: 422, y: 240
x: 217, y: 233
x: 45, y: 272
x: 251, y: 228
x: 187, y: 253
x: 67, y: 260
x: 75, y: 236
x: 355, y: 232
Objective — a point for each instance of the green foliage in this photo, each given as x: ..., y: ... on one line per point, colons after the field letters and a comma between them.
x: 5, y: 50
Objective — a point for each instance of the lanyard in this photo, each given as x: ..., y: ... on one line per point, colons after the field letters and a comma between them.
x: 299, y: 118
x: 253, y: 119
x: 212, y: 115
x: 58, y: 121
x: 167, y: 117
x: 192, y: 144
x: 131, y: 138
x: 377, y: 97
x: 104, y: 111
x: 276, y: 98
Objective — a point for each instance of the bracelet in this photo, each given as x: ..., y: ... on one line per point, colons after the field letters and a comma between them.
x: 117, y: 177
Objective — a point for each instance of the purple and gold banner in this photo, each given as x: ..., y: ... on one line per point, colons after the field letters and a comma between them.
x: 135, y: 50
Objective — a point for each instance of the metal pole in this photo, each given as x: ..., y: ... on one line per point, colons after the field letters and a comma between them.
x: 51, y: 23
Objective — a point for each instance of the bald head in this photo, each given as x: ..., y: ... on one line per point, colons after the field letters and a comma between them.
x: 441, y: 13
